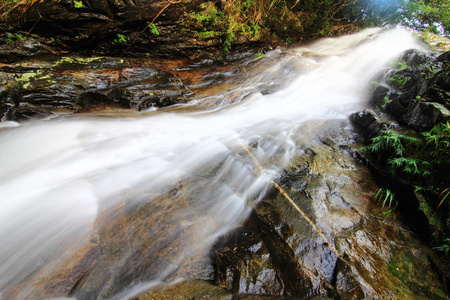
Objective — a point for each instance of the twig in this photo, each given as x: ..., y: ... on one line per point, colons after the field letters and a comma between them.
x: 40, y: 18
x: 283, y: 192
x: 149, y: 24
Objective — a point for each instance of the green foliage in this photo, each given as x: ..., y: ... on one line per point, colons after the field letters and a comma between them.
x: 444, y: 247
x: 400, y: 66
x: 386, y: 101
x: 121, y: 39
x: 386, y: 198
x: 413, y: 155
x: 438, y: 143
x: 253, y: 20
x: 398, y: 81
x: 77, y: 4
x: 422, y: 15
x: 423, y: 160
x: 227, y: 21
x: 153, y: 29
x: 13, y: 38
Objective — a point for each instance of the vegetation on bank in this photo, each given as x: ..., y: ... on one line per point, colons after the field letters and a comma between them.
x: 417, y: 159
x: 292, y: 20
x: 288, y: 21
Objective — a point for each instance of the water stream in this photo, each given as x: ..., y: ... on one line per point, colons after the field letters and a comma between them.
x: 59, y: 174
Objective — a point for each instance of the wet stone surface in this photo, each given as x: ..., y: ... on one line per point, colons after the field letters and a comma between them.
x: 275, y: 252
x: 278, y: 248
x: 39, y: 88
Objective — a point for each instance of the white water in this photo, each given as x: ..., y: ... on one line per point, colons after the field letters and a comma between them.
x: 56, y: 175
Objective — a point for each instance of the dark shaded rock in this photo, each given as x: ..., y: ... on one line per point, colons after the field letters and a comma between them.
x: 95, y: 27
x: 255, y: 260
x: 427, y: 114
x: 379, y: 94
x: 24, y: 113
x: 92, y: 99
x: 20, y: 45
x: 416, y: 95
x: 368, y: 122
x: 396, y: 104
x: 445, y: 57
x: 415, y: 58
x: 438, y: 87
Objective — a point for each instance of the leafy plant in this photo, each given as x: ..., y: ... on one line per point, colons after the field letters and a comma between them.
x: 398, y: 81
x: 405, y: 153
x: 422, y: 160
x: 248, y: 18
x: 78, y: 4
x: 153, y: 29
x: 444, y: 247
x: 12, y: 38
x: 121, y: 39
x: 444, y: 195
x: 386, y: 197
x: 386, y: 101
x: 400, y: 65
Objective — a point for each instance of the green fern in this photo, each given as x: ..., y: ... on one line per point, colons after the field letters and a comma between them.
x: 77, y: 4
x: 398, y: 81
x: 444, y: 247
x: 386, y: 197
x: 153, y: 29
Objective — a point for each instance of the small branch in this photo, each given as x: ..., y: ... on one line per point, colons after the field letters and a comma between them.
x: 149, y: 24
x: 40, y: 18
x: 283, y: 192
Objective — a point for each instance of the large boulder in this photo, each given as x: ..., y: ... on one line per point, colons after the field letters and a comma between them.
x: 415, y: 91
x: 354, y: 252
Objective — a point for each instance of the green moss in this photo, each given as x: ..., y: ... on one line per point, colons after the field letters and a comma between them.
x: 399, y: 266
x: 26, y: 77
x: 78, y: 60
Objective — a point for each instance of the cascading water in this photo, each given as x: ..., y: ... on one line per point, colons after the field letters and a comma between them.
x: 58, y: 176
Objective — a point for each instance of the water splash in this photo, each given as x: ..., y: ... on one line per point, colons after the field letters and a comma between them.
x: 59, y: 174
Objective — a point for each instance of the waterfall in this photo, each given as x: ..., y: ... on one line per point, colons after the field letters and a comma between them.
x: 60, y: 174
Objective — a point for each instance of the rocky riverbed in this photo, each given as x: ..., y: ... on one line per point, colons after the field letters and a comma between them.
x: 316, y: 233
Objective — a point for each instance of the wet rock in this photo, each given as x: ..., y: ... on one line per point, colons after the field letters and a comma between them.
x: 24, y: 113
x: 188, y: 290
x: 139, y: 245
x: 20, y: 45
x: 427, y: 114
x: 436, y: 42
x: 54, y: 278
x: 414, y: 94
x: 444, y: 57
x: 397, y: 262
x: 252, y: 261
x: 415, y: 58
x: 335, y: 192
x: 379, y: 94
x: 81, y: 84
x: 369, y: 123
x: 72, y: 84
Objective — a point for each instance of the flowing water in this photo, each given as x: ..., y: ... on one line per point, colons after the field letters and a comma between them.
x: 58, y: 175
